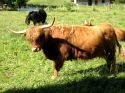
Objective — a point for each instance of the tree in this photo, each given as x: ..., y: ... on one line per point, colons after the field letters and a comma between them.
x: 14, y: 3
x: 96, y: 2
x: 90, y: 2
x: 103, y: 1
x: 1, y: 1
x: 20, y: 3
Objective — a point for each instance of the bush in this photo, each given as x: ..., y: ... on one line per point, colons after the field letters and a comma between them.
x: 14, y: 3
x: 119, y: 1
x: 20, y: 3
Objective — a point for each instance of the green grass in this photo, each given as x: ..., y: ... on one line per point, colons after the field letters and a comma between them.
x: 45, y: 2
x: 22, y: 71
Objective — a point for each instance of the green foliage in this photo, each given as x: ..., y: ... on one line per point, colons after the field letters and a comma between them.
x: 48, y: 2
x: 15, y: 3
x: 20, y: 3
x: 119, y: 1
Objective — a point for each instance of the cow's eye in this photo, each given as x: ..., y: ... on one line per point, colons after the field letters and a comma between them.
x: 38, y: 40
x: 41, y: 37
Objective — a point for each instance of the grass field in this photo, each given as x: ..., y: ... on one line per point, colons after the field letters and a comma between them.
x: 45, y: 2
x: 22, y: 71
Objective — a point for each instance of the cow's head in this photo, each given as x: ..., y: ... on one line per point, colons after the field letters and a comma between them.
x: 28, y: 18
x: 31, y: 16
x: 36, y: 36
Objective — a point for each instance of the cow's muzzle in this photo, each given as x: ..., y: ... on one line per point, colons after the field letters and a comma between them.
x: 35, y: 49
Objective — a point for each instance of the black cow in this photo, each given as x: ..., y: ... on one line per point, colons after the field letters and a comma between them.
x: 36, y: 17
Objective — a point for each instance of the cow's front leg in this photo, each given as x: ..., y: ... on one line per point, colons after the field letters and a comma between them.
x: 55, y: 73
x: 57, y: 66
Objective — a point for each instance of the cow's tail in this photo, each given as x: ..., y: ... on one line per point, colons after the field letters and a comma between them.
x: 121, y: 49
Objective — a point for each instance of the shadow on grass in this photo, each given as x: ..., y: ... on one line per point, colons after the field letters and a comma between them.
x: 102, y: 70
x: 88, y: 84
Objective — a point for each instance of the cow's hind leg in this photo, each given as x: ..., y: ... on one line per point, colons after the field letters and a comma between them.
x: 111, y: 63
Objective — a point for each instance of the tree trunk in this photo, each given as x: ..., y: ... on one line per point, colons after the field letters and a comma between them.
x: 111, y: 1
x: 89, y: 2
x: 96, y: 2
x: 103, y: 1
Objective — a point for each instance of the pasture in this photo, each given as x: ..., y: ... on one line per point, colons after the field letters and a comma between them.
x: 22, y: 71
x: 44, y: 2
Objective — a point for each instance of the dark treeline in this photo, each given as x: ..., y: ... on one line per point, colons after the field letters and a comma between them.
x: 20, y: 3
x: 13, y: 3
x: 103, y: 1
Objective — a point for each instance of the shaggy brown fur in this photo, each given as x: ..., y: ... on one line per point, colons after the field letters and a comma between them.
x: 119, y: 33
x: 60, y: 43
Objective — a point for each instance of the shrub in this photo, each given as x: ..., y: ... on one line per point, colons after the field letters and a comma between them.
x: 14, y: 3
x: 20, y: 3
x: 120, y: 1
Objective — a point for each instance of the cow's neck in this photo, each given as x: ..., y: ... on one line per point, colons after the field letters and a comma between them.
x: 48, y: 40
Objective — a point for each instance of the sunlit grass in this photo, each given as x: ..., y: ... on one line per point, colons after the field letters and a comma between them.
x: 45, y: 2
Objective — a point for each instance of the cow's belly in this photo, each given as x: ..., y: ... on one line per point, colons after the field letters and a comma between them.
x: 86, y: 54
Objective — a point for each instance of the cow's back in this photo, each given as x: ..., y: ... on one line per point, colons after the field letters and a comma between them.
x: 120, y: 34
x: 89, y: 39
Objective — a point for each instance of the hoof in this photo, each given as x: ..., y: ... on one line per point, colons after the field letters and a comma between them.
x: 53, y: 77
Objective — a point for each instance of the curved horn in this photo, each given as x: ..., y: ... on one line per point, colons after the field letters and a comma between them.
x: 20, y: 32
x: 49, y: 25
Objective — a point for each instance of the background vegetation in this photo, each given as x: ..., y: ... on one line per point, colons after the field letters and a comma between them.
x: 22, y: 71
x: 61, y: 2
x: 50, y: 3
x: 14, y: 3
x: 45, y: 2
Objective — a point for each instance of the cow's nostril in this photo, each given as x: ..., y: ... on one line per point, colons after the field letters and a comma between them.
x: 34, y: 49
x: 38, y: 49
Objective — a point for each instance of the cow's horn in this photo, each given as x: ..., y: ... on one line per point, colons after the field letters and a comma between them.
x: 20, y: 32
x: 49, y: 25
